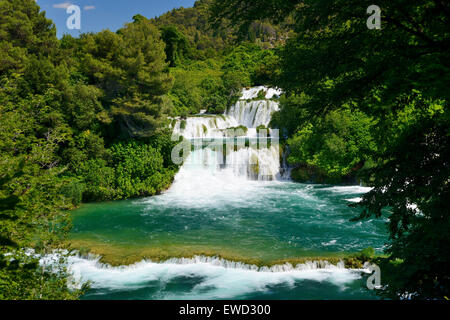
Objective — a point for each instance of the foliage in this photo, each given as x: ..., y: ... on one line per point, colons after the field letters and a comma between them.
x: 291, y: 115
x: 412, y: 178
x: 134, y: 169
x: 23, y: 278
x: 129, y: 66
x: 209, y: 41
x: 34, y: 201
x: 337, y: 144
x: 177, y: 46
x: 64, y: 106
x: 399, y: 71
x: 215, y: 84
x: 197, y: 86
x: 209, y: 67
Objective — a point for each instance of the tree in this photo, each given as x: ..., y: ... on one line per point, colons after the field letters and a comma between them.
x: 34, y: 200
x: 129, y: 66
x: 334, y: 59
x: 60, y: 104
x: 335, y: 145
x: 177, y: 46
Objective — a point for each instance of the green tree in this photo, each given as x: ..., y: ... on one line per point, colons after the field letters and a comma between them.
x: 177, y: 46
x: 334, y: 59
x: 336, y: 145
x: 34, y: 197
x: 129, y: 66
x: 61, y: 103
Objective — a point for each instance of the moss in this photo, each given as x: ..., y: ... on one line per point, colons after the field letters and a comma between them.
x: 254, y: 164
x: 183, y: 124
x: 236, y: 131
x: 118, y: 255
x: 121, y: 255
x: 357, y: 260
x: 261, y: 95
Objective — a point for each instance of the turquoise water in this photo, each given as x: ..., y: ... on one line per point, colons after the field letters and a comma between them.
x: 264, y: 221
x: 229, y: 227
x: 270, y: 220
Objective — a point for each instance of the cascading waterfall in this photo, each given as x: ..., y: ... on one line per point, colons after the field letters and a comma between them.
x: 247, y: 112
x: 248, y: 160
x: 219, y: 278
x: 222, y: 218
x: 254, y: 113
x: 203, y: 127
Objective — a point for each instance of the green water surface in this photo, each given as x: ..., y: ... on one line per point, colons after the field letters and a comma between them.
x: 265, y: 222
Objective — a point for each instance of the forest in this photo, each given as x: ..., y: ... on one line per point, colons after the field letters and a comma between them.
x: 86, y: 119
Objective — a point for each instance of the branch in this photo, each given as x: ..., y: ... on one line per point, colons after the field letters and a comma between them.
x: 417, y: 33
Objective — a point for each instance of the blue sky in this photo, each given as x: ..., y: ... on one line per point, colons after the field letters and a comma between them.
x: 97, y: 15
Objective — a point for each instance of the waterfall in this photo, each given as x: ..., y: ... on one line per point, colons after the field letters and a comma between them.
x: 254, y: 113
x: 204, y: 126
x: 286, y: 168
x: 247, y: 160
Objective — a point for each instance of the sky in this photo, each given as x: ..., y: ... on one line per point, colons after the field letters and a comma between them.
x: 97, y: 15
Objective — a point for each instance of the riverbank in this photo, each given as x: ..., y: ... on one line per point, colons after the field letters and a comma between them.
x: 125, y: 256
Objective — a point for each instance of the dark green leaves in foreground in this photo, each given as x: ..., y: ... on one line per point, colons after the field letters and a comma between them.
x: 395, y: 83
x: 69, y: 109
x: 83, y: 119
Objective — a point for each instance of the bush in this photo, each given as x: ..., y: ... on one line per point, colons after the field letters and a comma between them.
x: 136, y: 169
x: 99, y: 180
x: 366, y: 254
x: 73, y: 191
x: 337, y: 145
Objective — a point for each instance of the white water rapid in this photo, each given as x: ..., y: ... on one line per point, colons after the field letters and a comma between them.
x: 247, y: 159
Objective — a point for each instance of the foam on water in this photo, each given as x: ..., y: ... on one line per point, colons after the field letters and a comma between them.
x: 217, y: 278
x: 348, y: 189
x: 252, y: 93
x: 205, y: 183
x: 249, y: 114
x: 354, y: 200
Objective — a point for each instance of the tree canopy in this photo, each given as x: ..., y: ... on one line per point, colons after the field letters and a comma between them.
x: 399, y: 77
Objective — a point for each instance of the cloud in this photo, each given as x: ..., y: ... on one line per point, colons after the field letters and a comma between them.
x: 89, y: 8
x: 63, y: 5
